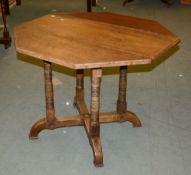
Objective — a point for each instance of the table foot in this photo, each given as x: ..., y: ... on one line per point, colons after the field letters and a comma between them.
x: 95, y: 143
x: 131, y: 117
x: 63, y: 121
x: 112, y: 117
x: 38, y: 127
x: 97, y: 151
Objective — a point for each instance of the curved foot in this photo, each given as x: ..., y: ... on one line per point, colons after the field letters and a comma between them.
x: 97, y: 151
x: 37, y: 128
x: 131, y: 117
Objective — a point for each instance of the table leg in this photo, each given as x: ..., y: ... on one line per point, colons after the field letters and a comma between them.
x: 79, y: 100
x: 91, y: 121
x: 121, y: 102
x: 94, y: 125
x: 49, y: 121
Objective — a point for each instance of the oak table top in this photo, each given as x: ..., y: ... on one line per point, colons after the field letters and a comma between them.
x: 91, y: 40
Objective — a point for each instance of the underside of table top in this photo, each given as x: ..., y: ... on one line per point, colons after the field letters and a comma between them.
x: 90, y: 40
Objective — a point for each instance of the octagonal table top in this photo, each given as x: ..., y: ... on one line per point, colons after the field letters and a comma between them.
x: 91, y: 40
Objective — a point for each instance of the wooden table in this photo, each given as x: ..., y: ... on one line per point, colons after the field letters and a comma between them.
x: 91, y: 41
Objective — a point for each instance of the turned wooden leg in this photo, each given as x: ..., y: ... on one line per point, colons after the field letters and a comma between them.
x: 94, y: 130
x: 121, y: 102
x: 49, y: 95
x: 91, y: 121
x: 89, y: 5
x: 50, y: 121
x: 79, y: 100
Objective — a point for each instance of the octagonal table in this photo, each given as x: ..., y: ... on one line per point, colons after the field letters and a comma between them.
x: 91, y: 41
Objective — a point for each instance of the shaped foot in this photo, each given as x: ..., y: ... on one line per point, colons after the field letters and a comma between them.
x: 38, y: 127
x: 131, y: 117
x: 97, y: 151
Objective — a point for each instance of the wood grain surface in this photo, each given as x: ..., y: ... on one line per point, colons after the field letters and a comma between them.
x: 91, y: 40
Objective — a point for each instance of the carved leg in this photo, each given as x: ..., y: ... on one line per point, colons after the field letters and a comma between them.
x: 94, y: 127
x: 50, y: 121
x: 79, y: 100
x: 121, y: 102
